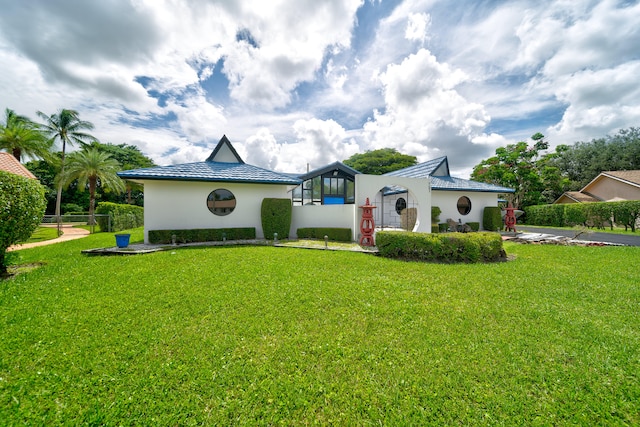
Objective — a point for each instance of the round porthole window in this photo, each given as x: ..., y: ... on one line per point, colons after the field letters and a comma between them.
x: 221, y: 202
x: 401, y: 204
x: 464, y: 205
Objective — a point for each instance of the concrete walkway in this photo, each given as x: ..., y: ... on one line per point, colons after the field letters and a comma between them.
x: 69, y: 233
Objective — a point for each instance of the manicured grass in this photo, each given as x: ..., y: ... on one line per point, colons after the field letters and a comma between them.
x: 43, y: 233
x: 265, y: 336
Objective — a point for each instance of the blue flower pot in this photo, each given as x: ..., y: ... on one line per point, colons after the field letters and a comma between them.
x: 122, y: 240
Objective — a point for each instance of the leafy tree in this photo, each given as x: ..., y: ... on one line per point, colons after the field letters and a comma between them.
x: 22, y: 201
x: 92, y: 168
x: 66, y: 126
x: 379, y: 162
x: 515, y: 166
x: 129, y: 157
x: 583, y: 161
x: 20, y: 136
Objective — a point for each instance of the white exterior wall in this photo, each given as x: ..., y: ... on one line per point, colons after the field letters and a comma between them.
x: 180, y: 205
x: 419, y: 192
x: 447, y: 201
x: 337, y: 216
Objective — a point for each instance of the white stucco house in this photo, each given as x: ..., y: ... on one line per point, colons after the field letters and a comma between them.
x: 225, y: 192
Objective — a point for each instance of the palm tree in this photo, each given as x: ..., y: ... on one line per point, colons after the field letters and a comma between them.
x: 67, y: 126
x: 20, y: 136
x: 94, y: 167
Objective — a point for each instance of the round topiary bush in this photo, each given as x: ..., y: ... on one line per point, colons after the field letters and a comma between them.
x: 22, y: 205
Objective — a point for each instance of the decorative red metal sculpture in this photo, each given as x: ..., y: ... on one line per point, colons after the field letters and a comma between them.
x: 510, y: 219
x: 367, y: 225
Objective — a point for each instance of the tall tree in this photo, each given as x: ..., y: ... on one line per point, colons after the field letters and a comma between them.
x: 515, y: 166
x: 129, y: 157
x: 91, y: 168
x: 20, y: 136
x: 379, y: 162
x: 66, y: 126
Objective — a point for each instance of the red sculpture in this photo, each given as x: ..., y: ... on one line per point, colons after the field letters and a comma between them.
x: 367, y: 226
x: 510, y: 219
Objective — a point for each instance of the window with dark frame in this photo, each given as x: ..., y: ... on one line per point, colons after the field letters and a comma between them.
x: 221, y: 202
x: 464, y: 205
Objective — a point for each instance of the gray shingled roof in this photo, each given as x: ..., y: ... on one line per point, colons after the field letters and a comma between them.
x: 421, y: 170
x: 446, y: 183
x: 210, y: 171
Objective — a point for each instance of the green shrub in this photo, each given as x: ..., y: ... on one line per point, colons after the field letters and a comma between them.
x: 123, y: 216
x: 435, y: 228
x: 334, y: 234
x: 598, y: 214
x: 70, y: 208
x: 443, y: 227
x: 475, y: 226
x: 449, y: 247
x: 575, y: 214
x: 435, y: 214
x: 22, y: 205
x: 552, y: 215
x: 492, y: 218
x: 201, y: 235
x: 276, y: 217
x: 626, y: 213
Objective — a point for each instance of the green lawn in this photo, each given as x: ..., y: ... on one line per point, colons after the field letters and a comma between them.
x: 43, y: 233
x: 265, y: 336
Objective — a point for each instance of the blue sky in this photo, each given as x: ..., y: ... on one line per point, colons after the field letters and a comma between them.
x: 297, y: 82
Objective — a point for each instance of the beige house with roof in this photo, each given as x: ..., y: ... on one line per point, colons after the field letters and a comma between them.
x: 611, y: 186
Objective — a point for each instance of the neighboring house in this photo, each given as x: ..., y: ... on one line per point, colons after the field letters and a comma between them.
x: 609, y: 186
x: 9, y: 163
x: 225, y: 192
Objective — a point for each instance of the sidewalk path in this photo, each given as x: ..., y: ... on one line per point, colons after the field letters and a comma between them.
x: 69, y: 233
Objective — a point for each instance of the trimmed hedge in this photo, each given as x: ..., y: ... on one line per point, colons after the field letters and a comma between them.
x: 449, y: 247
x: 475, y: 226
x: 435, y: 214
x: 201, y: 235
x: 22, y: 205
x: 492, y: 218
x: 123, y: 216
x: 334, y: 234
x: 598, y: 214
x: 276, y: 217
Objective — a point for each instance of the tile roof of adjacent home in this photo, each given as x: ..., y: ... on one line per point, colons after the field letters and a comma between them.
x: 578, y: 197
x: 9, y: 163
x: 438, y: 171
x: 211, y: 170
x: 632, y: 177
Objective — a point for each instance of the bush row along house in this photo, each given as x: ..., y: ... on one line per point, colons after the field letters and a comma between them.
x: 225, y: 192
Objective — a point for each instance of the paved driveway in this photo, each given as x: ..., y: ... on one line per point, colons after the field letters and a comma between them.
x: 591, y: 236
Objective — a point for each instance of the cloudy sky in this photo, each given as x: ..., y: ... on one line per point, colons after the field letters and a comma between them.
x: 297, y: 82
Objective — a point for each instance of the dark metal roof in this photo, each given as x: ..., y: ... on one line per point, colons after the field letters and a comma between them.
x: 450, y: 183
x: 210, y: 171
x: 332, y: 167
x: 422, y: 170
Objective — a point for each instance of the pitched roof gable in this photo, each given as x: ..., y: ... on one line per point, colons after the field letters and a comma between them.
x: 630, y: 177
x: 438, y: 171
x: 223, y: 165
x: 332, y: 167
x: 435, y: 167
x: 224, y: 152
x: 8, y: 163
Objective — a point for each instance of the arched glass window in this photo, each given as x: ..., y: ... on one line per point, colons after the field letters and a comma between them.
x: 221, y: 202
